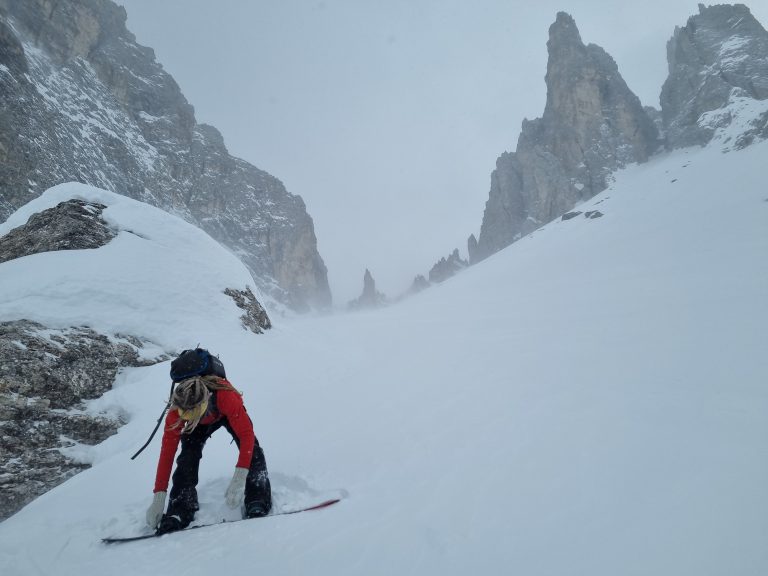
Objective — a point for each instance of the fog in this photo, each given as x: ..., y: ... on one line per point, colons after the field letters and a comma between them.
x: 387, y: 117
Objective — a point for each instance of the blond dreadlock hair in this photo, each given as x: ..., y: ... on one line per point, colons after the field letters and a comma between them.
x: 193, y: 392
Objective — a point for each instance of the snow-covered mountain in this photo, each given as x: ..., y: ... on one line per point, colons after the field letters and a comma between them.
x: 83, y: 101
x: 590, y: 400
x: 593, y: 124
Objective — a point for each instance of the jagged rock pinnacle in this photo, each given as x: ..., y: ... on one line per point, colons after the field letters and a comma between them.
x: 564, y: 31
x: 592, y: 125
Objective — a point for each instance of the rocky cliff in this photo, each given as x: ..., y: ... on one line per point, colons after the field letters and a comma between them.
x: 721, y: 54
x: 592, y: 125
x: 47, y: 377
x: 82, y: 101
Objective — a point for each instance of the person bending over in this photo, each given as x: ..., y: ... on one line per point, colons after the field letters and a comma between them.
x: 199, y: 406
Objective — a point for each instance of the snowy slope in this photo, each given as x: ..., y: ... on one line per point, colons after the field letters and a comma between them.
x: 591, y: 400
x: 161, y: 278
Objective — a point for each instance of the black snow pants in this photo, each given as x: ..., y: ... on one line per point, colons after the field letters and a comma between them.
x: 183, y: 497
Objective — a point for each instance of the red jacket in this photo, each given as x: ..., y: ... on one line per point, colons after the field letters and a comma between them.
x: 229, y: 405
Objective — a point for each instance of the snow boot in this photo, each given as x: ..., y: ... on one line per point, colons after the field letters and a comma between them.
x: 170, y: 523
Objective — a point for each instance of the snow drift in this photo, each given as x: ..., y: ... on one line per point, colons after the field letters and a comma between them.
x: 161, y: 278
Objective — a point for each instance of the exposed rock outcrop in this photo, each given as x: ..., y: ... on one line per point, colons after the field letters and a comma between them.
x: 440, y: 271
x: 472, y: 251
x: 82, y: 101
x: 419, y: 283
x: 255, y: 318
x: 72, y: 225
x: 370, y: 298
x: 720, y: 54
x: 592, y: 125
x: 447, y: 267
x: 46, y: 378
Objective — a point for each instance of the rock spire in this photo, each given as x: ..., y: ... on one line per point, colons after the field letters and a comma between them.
x: 592, y: 125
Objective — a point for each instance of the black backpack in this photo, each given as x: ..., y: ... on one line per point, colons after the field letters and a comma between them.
x: 196, y: 362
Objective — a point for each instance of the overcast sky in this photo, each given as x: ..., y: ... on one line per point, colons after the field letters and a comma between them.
x: 387, y: 116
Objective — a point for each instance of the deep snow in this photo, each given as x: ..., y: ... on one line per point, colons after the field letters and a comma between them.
x: 591, y: 400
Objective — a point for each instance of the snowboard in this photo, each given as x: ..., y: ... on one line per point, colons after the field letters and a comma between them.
x: 324, y: 504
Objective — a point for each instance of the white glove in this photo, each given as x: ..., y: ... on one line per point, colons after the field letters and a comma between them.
x: 155, y: 512
x: 236, y: 488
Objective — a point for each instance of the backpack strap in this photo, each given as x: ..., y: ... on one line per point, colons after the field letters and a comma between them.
x: 159, y: 420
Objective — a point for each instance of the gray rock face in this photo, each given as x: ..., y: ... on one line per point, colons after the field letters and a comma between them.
x: 255, y: 318
x: 82, y: 101
x: 592, y: 125
x: 46, y: 377
x: 370, y: 298
x: 419, y: 283
x: 474, y: 255
x: 720, y: 52
x: 72, y: 225
x: 447, y: 267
